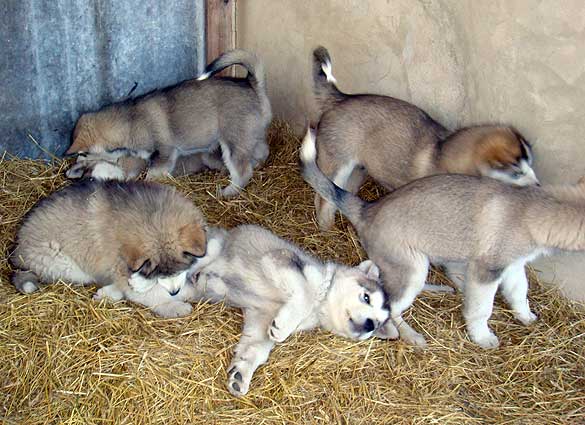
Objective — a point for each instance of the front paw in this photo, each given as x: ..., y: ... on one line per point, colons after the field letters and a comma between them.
x: 387, y: 331
x: 140, y: 284
x: 172, y: 310
x: 238, y: 382
x: 487, y: 340
x: 109, y: 292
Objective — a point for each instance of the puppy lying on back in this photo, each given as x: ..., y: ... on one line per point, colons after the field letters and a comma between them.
x: 107, y: 233
x: 395, y: 142
x: 281, y: 290
x: 480, y: 228
x: 195, y: 116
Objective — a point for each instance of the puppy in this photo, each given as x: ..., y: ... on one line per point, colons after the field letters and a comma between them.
x: 195, y: 116
x: 281, y: 290
x: 395, y: 142
x: 481, y: 229
x: 108, y: 233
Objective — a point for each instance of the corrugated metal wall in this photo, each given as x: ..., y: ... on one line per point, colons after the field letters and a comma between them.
x: 59, y: 58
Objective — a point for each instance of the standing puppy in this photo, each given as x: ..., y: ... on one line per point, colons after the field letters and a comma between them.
x: 108, y: 233
x: 195, y: 116
x: 281, y: 290
x: 395, y: 142
x: 481, y: 227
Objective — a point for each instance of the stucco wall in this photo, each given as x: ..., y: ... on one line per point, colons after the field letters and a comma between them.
x: 464, y: 62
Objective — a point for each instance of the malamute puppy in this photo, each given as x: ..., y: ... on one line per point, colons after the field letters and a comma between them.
x: 480, y: 228
x: 107, y: 233
x: 195, y: 116
x: 395, y: 142
x: 281, y: 290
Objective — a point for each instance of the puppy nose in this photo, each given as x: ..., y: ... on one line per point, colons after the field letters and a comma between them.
x: 369, y: 325
x: 175, y: 292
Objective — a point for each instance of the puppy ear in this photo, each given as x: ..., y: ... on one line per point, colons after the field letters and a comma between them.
x: 193, y: 240
x: 370, y: 269
x: 581, y: 181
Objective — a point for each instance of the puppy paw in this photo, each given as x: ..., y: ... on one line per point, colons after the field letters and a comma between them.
x: 140, y: 284
x: 238, y: 383
x: 486, y: 340
x: 230, y: 191
x: 387, y: 331
x: 415, y: 338
x: 109, y: 292
x: 172, y: 310
x: 279, y: 331
x: 527, y: 320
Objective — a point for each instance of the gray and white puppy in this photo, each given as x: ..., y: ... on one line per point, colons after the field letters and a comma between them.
x: 281, y: 290
x: 396, y: 142
x: 480, y: 228
x: 196, y: 116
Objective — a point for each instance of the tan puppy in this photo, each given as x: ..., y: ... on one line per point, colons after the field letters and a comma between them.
x: 395, y: 142
x: 195, y: 116
x: 106, y: 233
x: 479, y: 227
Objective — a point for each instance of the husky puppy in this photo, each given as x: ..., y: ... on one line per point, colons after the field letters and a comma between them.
x: 480, y: 228
x: 281, y: 290
x: 195, y: 116
x: 108, y: 233
x: 124, y: 164
x: 395, y: 142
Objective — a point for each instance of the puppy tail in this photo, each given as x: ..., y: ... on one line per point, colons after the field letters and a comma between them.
x: 350, y: 205
x: 248, y: 60
x: 324, y: 83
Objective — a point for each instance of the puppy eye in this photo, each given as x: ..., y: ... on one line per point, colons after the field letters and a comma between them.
x: 517, y: 174
x: 366, y: 298
x: 190, y: 255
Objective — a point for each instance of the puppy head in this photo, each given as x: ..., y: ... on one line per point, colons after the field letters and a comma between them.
x: 85, y: 137
x: 170, y: 242
x: 357, y: 302
x: 115, y: 165
x: 503, y: 154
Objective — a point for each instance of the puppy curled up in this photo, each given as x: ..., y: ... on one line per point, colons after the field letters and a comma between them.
x: 107, y: 233
x: 281, y: 290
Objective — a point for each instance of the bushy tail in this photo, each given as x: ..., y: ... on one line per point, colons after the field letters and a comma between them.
x: 350, y: 205
x: 248, y: 60
x: 326, y: 92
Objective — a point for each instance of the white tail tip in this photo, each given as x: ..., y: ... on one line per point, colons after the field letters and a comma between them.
x: 203, y: 76
x: 308, y: 150
x: 327, y: 69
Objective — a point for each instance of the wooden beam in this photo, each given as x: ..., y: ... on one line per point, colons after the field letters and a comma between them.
x: 220, y: 29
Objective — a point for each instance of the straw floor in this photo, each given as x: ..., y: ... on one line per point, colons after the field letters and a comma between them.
x: 66, y: 359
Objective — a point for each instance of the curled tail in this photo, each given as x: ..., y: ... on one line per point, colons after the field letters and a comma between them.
x: 326, y: 92
x: 350, y: 205
x: 248, y: 60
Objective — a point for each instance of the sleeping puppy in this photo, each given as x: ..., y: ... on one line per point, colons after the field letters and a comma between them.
x: 281, y: 290
x: 108, y: 233
x: 395, y: 142
x: 206, y: 115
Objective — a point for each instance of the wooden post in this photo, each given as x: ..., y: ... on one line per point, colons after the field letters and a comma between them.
x: 220, y: 29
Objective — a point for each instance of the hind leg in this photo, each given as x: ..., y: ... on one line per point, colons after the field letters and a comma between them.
x: 162, y: 163
x: 25, y: 282
x: 252, y: 351
x: 345, y: 176
x: 239, y: 166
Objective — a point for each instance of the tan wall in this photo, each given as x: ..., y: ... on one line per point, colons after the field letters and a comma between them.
x: 520, y: 62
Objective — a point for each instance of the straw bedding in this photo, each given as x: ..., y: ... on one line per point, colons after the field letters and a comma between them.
x: 66, y: 359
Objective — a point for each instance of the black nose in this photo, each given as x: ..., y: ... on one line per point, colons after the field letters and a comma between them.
x: 369, y: 325
x: 174, y: 292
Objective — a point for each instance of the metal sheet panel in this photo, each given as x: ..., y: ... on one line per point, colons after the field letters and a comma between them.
x: 61, y: 58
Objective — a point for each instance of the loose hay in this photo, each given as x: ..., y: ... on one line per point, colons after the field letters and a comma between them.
x: 67, y: 359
